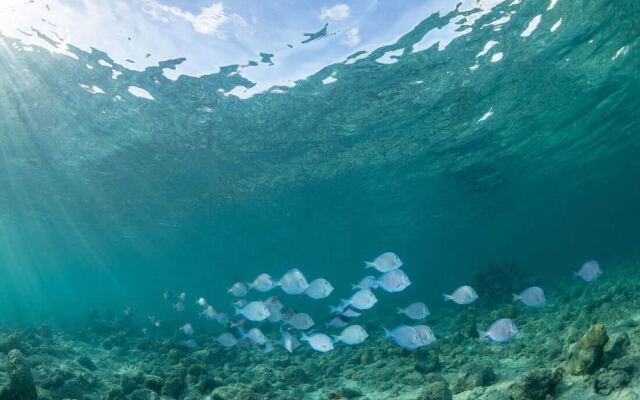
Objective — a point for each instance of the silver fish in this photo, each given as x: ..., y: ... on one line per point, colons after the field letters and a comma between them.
x: 227, y: 340
x: 462, y: 295
x: 187, y: 329
x: 501, y: 331
x: 238, y: 289
x: 394, y: 281
x: 318, y: 341
x: 426, y: 334
x: 353, y: 334
x: 416, y: 311
x: 263, y: 283
x: 405, y: 336
x: 533, y: 297
x: 255, y: 335
x: 293, y: 282
x: 288, y: 341
x: 319, y: 289
x: 362, y: 300
x: 385, y: 262
x: 336, y: 322
x: 368, y: 282
x: 300, y: 321
x: 254, y: 311
x: 589, y: 272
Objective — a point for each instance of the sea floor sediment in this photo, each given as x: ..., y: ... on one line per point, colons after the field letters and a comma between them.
x: 583, y: 344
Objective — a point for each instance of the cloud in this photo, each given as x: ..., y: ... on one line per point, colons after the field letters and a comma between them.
x: 335, y: 13
x: 352, y: 37
x: 208, y: 21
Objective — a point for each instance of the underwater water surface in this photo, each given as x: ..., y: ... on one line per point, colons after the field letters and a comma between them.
x: 155, y: 154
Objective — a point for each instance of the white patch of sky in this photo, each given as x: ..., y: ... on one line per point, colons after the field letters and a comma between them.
x: 533, y: 24
x: 486, y: 48
x: 497, y: 57
x: 214, y: 33
x: 335, y: 13
x: 486, y: 115
x: 352, y: 37
x: 622, y: 51
x: 390, y: 57
x: 140, y: 92
x: 556, y: 25
x: 552, y: 4
x: 93, y: 89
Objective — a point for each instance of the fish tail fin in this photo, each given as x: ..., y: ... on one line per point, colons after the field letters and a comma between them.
x: 374, y: 285
x: 574, y: 276
x: 516, y: 297
x: 276, y: 283
x: 333, y: 309
x: 242, y: 332
x: 387, y: 333
x: 400, y: 310
x: 238, y: 312
x: 249, y: 285
x: 304, y: 337
x: 354, y: 286
x: 482, y: 334
x: 335, y: 338
x: 369, y: 264
x: 447, y: 297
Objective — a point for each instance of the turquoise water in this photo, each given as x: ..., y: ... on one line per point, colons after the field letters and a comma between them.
x: 524, y: 157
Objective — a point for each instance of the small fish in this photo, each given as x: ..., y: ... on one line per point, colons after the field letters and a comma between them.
x: 318, y: 341
x: 154, y: 321
x: 128, y: 311
x: 336, y: 309
x: 275, y: 315
x: 226, y: 340
x: 362, y: 300
x: 319, y: 289
x: 209, y: 312
x: 426, y: 334
x: 190, y: 344
x: 222, y: 318
x: 353, y: 334
x: 368, y: 282
x: 179, y: 307
x: 201, y: 302
x: 294, y: 282
x: 462, y: 295
x: 274, y: 302
x: 145, y: 331
x: 350, y: 313
x: 301, y: 321
x: 336, y: 323
x: 254, y: 311
x: 589, y: 272
x: 268, y: 347
x: 263, y: 283
x: 385, y: 262
x: 183, y: 296
x: 501, y: 331
x: 533, y: 297
x: 416, y: 311
x: 167, y: 295
x: 239, y: 303
x: 405, y: 336
x: 240, y: 324
x: 288, y: 341
x: 255, y: 335
x: 394, y: 281
x: 187, y: 329
x: 238, y: 289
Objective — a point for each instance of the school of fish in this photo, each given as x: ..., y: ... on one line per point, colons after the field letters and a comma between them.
x: 297, y: 327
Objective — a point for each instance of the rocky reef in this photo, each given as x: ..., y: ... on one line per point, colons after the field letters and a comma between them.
x: 583, y: 344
